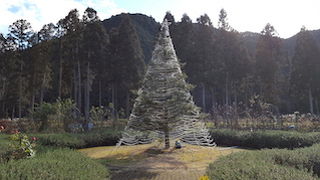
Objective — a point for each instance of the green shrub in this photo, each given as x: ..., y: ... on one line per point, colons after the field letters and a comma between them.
x: 102, y: 137
x: 60, y: 140
x: 301, y: 163
x: 264, y: 139
x: 56, y: 164
x: 305, y: 158
x: 253, y: 165
x: 54, y: 117
x: 22, y: 147
x: 4, y: 146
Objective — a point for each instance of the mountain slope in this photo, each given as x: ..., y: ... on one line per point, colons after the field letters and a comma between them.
x: 146, y: 27
x: 250, y: 40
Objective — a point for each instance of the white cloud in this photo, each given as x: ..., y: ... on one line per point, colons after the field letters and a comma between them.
x: 40, y: 12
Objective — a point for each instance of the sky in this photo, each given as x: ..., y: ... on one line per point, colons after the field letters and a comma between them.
x: 287, y: 16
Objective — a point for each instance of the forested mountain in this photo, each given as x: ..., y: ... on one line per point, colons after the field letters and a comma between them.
x: 102, y: 63
x: 147, y: 29
x: 250, y: 39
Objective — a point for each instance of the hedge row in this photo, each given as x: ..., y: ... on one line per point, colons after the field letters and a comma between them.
x: 54, y: 164
x: 281, y: 164
x: 264, y: 139
x: 102, y: 137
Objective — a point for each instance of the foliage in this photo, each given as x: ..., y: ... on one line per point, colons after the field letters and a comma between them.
x: 54, y: 164
x: 264, y: 139
x: 56, y: 116
x: 253, y: 165
x: 22, y: 146
x: 99, y: 114
x: 99, y: 137
x: 301, y: 163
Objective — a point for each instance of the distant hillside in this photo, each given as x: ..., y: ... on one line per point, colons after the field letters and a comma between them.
x: 250, y: 40
x: 146, y: 27
x: 289, y: 44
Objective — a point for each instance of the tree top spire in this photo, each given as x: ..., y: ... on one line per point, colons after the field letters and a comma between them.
x: 164, y: 30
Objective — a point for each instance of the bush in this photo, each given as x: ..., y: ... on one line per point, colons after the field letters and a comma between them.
x: 302, y: 163
x: 54, y: 117
x: 253, y: 165
x: 22, y: 147
x: 56, y: 164
x: 306, y: 158
x: 102, y: 137
x: 264, y: 139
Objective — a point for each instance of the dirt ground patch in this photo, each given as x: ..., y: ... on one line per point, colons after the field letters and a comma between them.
x: 152, y: 162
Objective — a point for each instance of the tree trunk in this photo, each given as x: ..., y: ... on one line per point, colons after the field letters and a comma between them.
x: 20, y: 91
x: 166, y: 137
x: 203, y: 97
x: 75, y: 86
x: 311, y: 101
x: 60, y: 70
x: 114, y: 103
x: 33, y: 100
x: 127, y: 104
x: 87, y: 97
x: 317, y: 106
x: 79, y: 88
x: 13, y: 113
x: 41, y: 95
x: 227, y: 89
x: 100, y: 98
x: 213, y: 99
x: 42, y: 89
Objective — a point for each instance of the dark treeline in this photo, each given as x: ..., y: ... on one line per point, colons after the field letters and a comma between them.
x: 226, y: 72
x: 81, y: 59
x: 77, y: 58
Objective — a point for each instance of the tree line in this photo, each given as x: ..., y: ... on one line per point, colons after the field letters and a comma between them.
x: 78, y: 58
x: 225, y: 73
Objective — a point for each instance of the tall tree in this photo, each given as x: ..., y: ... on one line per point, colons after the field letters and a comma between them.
x: 306, y: 69
x: 71, y: 23
x: 129, y: 66
x: 203, y: 54
x: 231, y: 64
x: 268, y: 56
x: 169, y: 17
x: 20, y: 33
x: 94, y: 47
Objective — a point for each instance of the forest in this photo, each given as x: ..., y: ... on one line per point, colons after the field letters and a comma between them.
x: 102, y: 63
x: 132, y: 98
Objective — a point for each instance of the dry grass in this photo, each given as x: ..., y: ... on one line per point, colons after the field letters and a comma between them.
x: 153, y: 162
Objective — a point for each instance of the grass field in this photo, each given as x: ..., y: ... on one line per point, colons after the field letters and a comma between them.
x: 152, y: 162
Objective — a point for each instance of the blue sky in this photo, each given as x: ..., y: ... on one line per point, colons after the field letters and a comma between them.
x: 287, y: 16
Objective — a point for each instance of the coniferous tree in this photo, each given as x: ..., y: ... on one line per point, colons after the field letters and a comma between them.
x: 231, y: 59
x: 164, y: 107
x: 94, y: 43
x: 268, y: 56
x: 169, y: 17
x: 71, y: 23
x: 203, y: 56
x: 129, y: 66
x: 305, y: 73
x: 20, y: 34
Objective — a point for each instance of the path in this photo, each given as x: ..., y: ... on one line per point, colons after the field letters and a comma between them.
x: 151, y: 162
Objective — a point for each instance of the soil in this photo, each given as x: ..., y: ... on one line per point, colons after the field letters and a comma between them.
x: 152, y: 162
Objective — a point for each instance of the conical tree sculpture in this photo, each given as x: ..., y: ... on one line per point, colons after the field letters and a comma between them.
x: 164, y: 107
